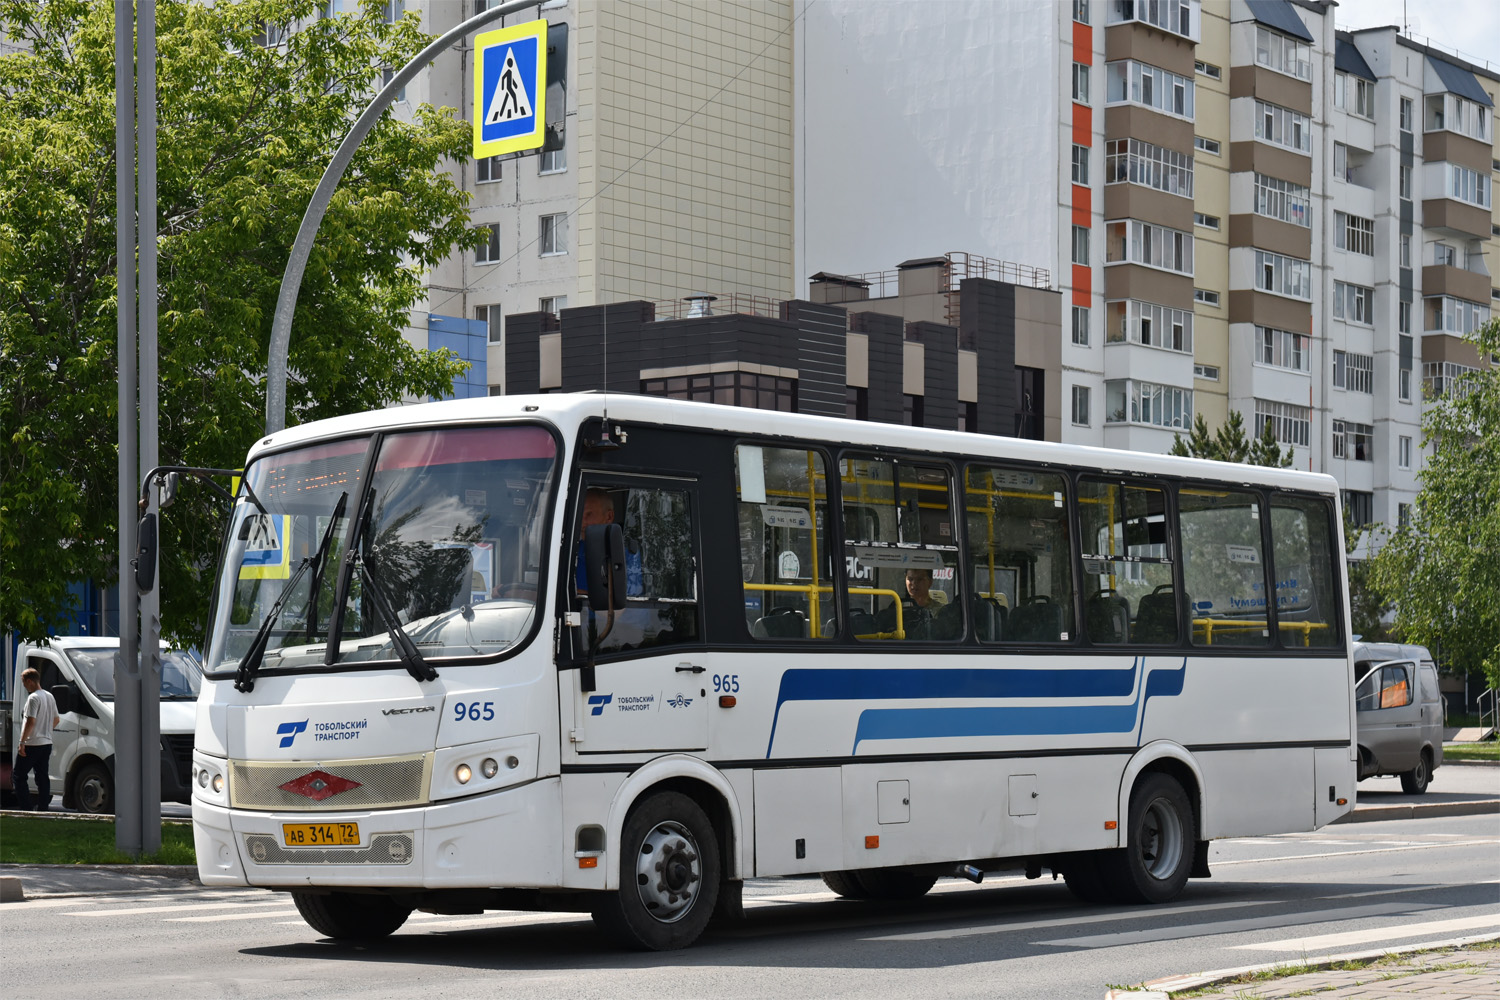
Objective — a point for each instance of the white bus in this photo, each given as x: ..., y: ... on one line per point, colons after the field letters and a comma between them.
x: 879, y: 654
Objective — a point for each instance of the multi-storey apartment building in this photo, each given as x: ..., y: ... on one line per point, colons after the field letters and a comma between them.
x: 1247, y: 208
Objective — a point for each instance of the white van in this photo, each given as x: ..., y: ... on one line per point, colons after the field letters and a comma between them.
x: 80, y: 673
x: 1399, y: 712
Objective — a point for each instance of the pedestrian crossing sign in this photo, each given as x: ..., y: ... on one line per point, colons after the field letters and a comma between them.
x: 510, y: 89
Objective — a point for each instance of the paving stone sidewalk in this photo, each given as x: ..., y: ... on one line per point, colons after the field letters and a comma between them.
x: 1463, y: 973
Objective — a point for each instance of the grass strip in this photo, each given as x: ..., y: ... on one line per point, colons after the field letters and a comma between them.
x: 1472, y: 751
x: 27, y: 840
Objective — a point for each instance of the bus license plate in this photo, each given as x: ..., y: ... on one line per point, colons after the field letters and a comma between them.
x: 320, y: 834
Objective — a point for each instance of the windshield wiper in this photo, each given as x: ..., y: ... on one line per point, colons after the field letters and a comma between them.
x: 244, y: 679
x: 406, y: 650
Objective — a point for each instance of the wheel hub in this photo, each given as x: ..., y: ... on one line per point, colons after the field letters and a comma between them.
x: 668, y: 870
x: 1161, y: 840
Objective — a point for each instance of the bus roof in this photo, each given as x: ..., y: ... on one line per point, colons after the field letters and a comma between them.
x: 568, y: 410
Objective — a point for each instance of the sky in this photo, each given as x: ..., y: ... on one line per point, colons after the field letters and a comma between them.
x: 1471, y: 27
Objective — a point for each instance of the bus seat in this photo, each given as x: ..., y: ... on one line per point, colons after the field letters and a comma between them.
x: 1156, y: 616
x: 861, y: 622
x: 1036, y: 620
x: 780, y: 623
x: 989, y: 618
x: 1107, y: 615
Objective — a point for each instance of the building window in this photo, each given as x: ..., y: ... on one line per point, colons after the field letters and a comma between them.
x: 1206, y: 297
x: 1206, y: 221
x: 1283, y: 349
x: 1290, y: 424
x: 1467, y: 185
x: 1283, y: 53
x: 762, y: 392
x: 1405, y: 250
x: 1081, y: 405
x: 912, y: 410
x: 1081, y: 326
x: 1127, y: 400
x: 1283, y: 200
x: 1283, y: 275
x: 1403, y: 317
x: 553, y: 238
x: 1135, y: 242
x: 1354, y: 95
x: 1403, y: 385
x: 1283, y: 127
x: 1180, y: 17
x: 1138, y: 162
x: 1352, y: 233
x: 1451, y: 113
x: 1403, y: 514
x: 1080, y: 164
x: 391, y: 10
x: 1406, y: 114
x: 1081, y: 11
x: 1404, y: 175
x: 1443, y: 255
x: 1081, y: 82
x: 487, y: 169
x: 1208, y: 373
x: 1149, y: 86
x: 1442, y: 378
x: 1352, y: 441
x: 387, y: 74
x: 1354, y: 372
x: 1081, y: 245
x: 1354, y: 303
x: 968, y: 417
x: 1359, y: 508
x: 488, y: 252
x: 1208, y: 69
x: 857, y: 402
x: 1403, y: 452
x: 1149, y: 324
x: 552, y: 161
x: 1445, y: 314
x: 1209, y: 146
x: 491, y: 317
x: 553, y: 304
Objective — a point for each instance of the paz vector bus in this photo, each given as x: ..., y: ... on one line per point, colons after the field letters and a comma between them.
x: 616, y: 654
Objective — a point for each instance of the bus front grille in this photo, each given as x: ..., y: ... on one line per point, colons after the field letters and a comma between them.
x: 384, y: 849
x: 331, y: 786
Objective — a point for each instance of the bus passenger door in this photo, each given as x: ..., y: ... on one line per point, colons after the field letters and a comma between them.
x: 650, y: 679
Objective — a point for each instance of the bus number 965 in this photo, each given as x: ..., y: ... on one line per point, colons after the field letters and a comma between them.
x: 726, y: 683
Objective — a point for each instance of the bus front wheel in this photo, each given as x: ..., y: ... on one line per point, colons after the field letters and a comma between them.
x: 669, y: 875
x: 1157, y: 858
x: 350, y: 916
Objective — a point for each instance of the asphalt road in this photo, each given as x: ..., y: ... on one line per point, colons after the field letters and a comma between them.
x: 1277, y: 898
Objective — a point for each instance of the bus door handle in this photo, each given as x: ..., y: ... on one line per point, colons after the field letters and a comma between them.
x: 689, y: 668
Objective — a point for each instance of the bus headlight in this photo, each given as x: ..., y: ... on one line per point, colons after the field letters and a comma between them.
x: 463, y: 774
x: 218, y: 784
x: 489, y: 768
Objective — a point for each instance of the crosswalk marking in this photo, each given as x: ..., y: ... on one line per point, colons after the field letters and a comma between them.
x: 281, y: 910
x: 1320, y: 942
x: 179, y: 907
x: 1181, y: 931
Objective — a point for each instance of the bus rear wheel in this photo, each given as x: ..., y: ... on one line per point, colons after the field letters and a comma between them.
x: 1157, y: 858
x: 669, y: 875
x: 349, y: 916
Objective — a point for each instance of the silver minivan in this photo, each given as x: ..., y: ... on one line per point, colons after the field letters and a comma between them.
x: 1399, y: 713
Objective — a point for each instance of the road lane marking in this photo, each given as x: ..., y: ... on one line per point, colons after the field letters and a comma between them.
x: 1317, y: 942
x: 176, y: 908
x: 1351, y: 854
x: 1236, y: 926
x: 226, y: 917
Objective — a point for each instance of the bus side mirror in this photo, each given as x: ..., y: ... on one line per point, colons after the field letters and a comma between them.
x: 145, y: 554
x: 604, y: 566
x: 63, y: 695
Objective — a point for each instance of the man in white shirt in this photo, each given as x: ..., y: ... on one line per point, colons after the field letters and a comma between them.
x: 35, y: 751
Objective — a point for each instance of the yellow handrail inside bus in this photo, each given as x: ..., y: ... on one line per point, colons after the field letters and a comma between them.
x: 1210, y: 625
x: 811, y: 590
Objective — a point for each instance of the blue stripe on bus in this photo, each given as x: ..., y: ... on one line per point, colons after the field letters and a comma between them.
x: 1039, y: 720
x: 856, y: 684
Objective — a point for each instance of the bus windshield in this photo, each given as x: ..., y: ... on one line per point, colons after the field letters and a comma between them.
x: 444, y: 526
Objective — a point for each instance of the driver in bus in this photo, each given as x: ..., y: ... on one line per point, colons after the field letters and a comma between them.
x: 599, y: 508
x: 921, y: 615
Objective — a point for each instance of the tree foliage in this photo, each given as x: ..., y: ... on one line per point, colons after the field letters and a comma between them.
x: 1442, y: 568
x: 1230, y: 443
x: 245, y: 131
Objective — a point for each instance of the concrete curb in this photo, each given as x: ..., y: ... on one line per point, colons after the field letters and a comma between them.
x: 1168, y: 985
x: 164, y: 871
x: 11, y: 890
x: 1371, y: 814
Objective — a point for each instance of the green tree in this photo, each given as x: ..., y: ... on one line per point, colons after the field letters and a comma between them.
x: 1230, y: 444
x: 245, y: 131
x: 1442, y: 567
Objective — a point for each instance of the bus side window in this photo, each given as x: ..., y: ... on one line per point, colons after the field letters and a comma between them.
x: 900, y: 550
x: 1127, y: 554
x: 1224, y: 566
x: 1302, y: 550
x: 1020, y: 555
x: 785, y: 563
x: 661, y: 595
